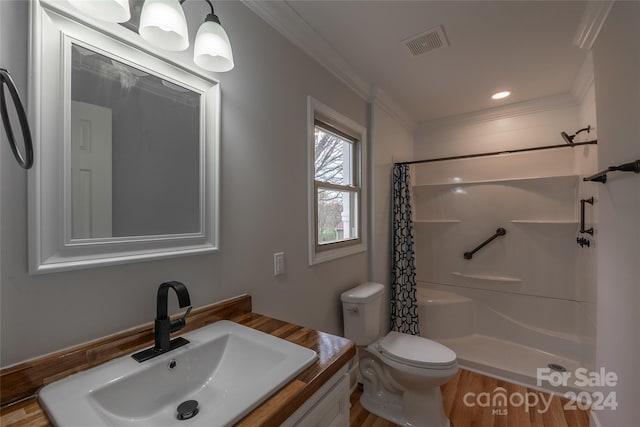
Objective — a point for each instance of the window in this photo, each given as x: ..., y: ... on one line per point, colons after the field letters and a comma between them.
x: 336, y: 171
x: 336, y: 189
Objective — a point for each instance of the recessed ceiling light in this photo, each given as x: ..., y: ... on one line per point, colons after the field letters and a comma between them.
x: 500, y: 95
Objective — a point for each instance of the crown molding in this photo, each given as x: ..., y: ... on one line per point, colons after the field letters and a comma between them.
x: 517, y: 109
x: 380, y: 98
x: 284, y: 19
x: 593, y: 18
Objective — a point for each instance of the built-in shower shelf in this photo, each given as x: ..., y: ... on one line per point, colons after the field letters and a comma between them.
x: 487, y: 277
x: 436, y: 221
x: 544, y: 221
x: 568, y: 178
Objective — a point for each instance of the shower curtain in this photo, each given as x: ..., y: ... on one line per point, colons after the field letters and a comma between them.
x: 404, y: 307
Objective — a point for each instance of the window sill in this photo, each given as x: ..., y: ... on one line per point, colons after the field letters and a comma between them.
x: 329, y: 255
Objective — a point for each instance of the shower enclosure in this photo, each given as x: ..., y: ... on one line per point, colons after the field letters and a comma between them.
x: 501, y: 277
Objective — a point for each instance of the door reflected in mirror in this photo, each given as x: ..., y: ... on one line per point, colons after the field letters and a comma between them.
x: 135, y: 151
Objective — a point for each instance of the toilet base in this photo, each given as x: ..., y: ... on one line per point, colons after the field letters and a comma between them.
x: 402, y: 397
x: 393, y: 412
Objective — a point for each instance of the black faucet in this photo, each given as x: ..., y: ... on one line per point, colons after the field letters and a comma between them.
x: 164, y: 326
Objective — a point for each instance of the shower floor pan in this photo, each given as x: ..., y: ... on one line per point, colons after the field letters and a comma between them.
x: 512, y: 362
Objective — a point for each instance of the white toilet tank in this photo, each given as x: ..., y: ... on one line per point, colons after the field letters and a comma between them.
x: 361, y: 310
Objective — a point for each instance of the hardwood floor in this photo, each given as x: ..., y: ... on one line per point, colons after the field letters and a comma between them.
x: 513, y: 414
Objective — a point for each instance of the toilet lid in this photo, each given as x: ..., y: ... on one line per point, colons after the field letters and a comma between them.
x: 416, y: 351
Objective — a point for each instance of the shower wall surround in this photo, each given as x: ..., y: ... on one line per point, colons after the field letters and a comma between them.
x: 535, y: 280
x: 527, y: 276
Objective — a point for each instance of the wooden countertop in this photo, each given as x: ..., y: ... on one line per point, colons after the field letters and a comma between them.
x: 21, y: 382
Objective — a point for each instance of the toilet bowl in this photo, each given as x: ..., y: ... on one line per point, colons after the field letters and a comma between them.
x: 401, y: 373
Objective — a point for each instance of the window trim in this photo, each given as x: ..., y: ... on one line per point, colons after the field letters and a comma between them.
x: 320, y: 114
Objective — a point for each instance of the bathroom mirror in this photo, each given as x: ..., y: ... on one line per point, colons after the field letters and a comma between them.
x: 126, y: 144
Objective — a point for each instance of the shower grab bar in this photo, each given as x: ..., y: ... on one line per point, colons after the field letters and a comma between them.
x: 499, y: 232
x: 626, y: 167
x: 582, y: 203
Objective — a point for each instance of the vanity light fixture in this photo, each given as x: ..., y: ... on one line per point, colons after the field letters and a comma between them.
x: 105, y: 10
x: 163, y: 24
x: 500, y: 95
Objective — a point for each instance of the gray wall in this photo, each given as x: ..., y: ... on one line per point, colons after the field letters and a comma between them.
x: 263, y: 207
x: 616, y: 60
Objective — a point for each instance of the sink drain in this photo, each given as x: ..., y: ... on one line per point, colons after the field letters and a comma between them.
x: 187, y: 409
x: 556, y: 367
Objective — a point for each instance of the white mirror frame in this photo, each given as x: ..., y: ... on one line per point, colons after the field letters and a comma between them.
x: 54, y: 25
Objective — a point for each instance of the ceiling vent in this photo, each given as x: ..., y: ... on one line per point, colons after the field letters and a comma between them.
x: 427, y: 42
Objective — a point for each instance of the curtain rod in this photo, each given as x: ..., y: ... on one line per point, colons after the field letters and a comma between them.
x: 520, y: 150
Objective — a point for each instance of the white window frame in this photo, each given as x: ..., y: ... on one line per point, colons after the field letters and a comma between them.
x: 316, y: 110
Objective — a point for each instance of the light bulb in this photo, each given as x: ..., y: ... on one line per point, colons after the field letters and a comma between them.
x: 500, y: 95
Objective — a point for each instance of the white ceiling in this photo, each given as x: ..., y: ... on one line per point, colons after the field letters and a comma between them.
x: 523, y: 46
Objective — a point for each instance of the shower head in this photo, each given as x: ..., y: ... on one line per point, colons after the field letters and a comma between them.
x: 569, y: 138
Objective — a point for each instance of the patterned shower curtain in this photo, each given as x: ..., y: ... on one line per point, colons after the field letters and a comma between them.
x: 404, y: 306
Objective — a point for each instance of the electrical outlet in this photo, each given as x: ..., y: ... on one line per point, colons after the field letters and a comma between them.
x: 278, y: 264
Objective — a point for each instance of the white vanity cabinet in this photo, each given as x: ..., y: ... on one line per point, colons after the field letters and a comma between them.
x: 328, y: 407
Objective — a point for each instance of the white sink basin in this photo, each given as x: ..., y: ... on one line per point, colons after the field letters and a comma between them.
x: 229, y: 369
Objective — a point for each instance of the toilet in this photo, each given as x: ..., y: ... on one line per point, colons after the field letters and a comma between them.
x: 401, y: 373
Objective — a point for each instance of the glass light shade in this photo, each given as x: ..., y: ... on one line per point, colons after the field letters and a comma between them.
x: 212, y: 50
x: 105, y: 10
x: 163, y: 24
